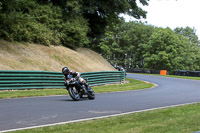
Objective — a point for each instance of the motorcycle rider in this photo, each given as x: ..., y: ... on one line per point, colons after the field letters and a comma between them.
x: 72, y: 74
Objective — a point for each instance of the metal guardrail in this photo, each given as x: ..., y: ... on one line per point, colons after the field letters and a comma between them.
x: 14, y: 80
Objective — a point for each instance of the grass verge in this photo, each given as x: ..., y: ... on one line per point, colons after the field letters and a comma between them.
x: 182, y: 119
x: 172, y: 76
x: 131, y: 85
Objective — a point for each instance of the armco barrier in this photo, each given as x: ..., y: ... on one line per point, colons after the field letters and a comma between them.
x: 11, y: 80
x: 104, y: 77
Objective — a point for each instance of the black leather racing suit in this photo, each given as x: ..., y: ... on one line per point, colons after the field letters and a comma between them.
x: 72, y: 74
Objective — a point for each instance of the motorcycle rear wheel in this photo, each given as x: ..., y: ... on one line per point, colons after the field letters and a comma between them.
x: 74, y: 93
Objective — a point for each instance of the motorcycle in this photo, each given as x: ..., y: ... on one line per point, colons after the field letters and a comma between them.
x: 78, y: 89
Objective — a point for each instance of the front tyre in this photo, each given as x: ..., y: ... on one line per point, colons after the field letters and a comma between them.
x: 74, y: 93
x: 91, y: 94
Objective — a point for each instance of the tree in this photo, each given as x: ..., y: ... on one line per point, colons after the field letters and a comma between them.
x: 189, y: 33
x: 74, y: 23
x: 102, y: 13
x: 121, y: 43
x: 169, y: 51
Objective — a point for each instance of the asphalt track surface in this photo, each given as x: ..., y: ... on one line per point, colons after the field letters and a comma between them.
x: 27, y: 112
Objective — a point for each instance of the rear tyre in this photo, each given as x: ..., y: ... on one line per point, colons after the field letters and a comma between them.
x: 91, y: 94
x: 74, y: 93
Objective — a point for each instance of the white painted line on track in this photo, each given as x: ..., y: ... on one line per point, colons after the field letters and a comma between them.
x: 94, y: 118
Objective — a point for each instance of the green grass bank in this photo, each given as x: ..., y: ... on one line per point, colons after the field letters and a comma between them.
x: 131, y: 84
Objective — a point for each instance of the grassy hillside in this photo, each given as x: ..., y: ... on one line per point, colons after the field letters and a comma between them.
x: 49, y: 58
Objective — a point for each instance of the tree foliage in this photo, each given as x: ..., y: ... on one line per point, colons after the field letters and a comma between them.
x: 96, y: 24
x: 169, y: 51
x: 189, y: 33
x: 73, y: 23
x: 122, y: 43
x: 101, y: 13
x: 138, y: 45
x: 31, y: 21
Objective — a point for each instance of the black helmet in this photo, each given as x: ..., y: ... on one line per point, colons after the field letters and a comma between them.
x: 65, y: 70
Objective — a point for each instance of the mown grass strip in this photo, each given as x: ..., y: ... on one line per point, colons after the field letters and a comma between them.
x: 182, y: 119
x: 172, y: 76
x: 131, y: 85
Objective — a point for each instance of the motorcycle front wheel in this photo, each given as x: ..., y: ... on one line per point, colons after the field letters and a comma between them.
x: 74, y: 93
x: 91, y: 94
